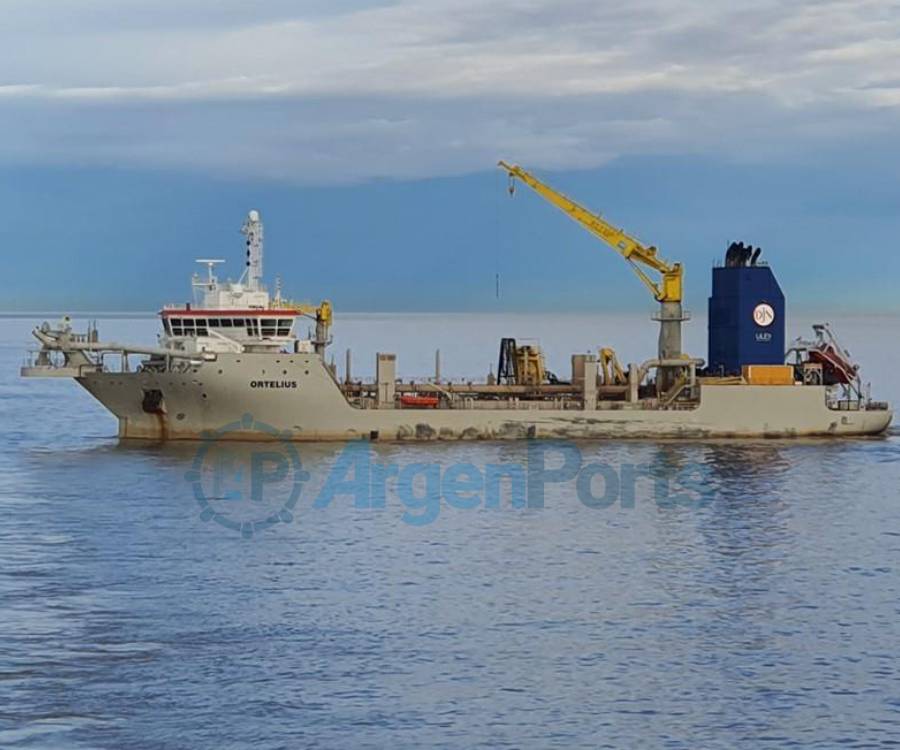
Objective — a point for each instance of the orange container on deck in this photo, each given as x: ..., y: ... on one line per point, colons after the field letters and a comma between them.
x: 768, y: 374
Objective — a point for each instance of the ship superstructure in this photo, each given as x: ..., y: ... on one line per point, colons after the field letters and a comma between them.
x: 240, y: 316
x: 236, y: 349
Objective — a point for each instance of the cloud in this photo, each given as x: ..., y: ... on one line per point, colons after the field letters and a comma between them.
x: 349, y: 91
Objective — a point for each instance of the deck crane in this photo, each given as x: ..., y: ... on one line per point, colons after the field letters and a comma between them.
x: 322, y: 313
x: 643, y: 260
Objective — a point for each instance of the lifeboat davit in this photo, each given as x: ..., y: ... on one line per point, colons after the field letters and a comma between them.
x: 835, y: 366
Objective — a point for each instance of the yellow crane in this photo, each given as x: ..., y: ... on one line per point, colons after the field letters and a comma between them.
x: 667, y: 289
x: 643, y: 259
x: 323, y: 314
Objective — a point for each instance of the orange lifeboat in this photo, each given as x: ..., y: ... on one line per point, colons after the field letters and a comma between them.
x: 419, y: 402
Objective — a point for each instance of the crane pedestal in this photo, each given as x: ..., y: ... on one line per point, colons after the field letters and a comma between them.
x: 671, y: 316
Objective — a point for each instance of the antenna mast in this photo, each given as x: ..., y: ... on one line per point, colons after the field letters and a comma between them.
x: 253, y: 231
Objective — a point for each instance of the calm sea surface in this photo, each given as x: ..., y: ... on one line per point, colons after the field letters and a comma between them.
x: 760, y: 607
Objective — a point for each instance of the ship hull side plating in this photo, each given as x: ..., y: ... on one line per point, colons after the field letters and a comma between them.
x: 296, y: 394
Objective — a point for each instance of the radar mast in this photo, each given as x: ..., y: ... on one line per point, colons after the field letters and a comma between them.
x: 253, y: 231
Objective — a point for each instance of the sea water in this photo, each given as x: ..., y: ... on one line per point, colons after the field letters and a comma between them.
x: 686, y: 595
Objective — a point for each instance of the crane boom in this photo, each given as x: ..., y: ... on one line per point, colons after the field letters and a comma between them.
x: 667, y: 289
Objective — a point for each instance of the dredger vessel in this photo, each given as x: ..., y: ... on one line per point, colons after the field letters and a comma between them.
x: 237, y: 350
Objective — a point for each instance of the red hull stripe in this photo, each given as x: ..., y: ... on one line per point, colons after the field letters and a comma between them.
x: 229, y: 313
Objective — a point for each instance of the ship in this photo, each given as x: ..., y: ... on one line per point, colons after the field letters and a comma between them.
x: 237, y: 355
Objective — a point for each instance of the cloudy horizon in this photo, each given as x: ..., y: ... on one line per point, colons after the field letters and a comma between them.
x: 135, y: 135
x: 350, y: 91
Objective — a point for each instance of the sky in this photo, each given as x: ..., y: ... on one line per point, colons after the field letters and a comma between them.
x: 135, y: 135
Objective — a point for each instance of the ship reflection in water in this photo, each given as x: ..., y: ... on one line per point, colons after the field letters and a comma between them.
x: 751, y: 599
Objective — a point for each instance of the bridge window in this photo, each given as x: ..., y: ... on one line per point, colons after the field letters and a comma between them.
x: 213, y: 322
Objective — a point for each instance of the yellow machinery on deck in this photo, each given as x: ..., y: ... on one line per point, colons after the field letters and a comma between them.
x: 521, y: 365
x: 611, y: 371
x: 530, y: 365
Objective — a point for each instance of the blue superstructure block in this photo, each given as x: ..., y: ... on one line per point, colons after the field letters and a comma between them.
x: 746, y: 319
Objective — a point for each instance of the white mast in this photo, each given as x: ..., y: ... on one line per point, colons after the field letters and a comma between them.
x: 253, y: 231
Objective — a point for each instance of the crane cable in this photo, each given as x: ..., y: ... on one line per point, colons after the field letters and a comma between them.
x: 498, y: 240
x: 511, y: 189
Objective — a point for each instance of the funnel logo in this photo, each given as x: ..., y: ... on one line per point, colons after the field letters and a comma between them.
x: 763, y: 314
x: 247, y: 487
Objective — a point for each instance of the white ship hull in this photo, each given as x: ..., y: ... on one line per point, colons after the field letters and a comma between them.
x: 297, y: 395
